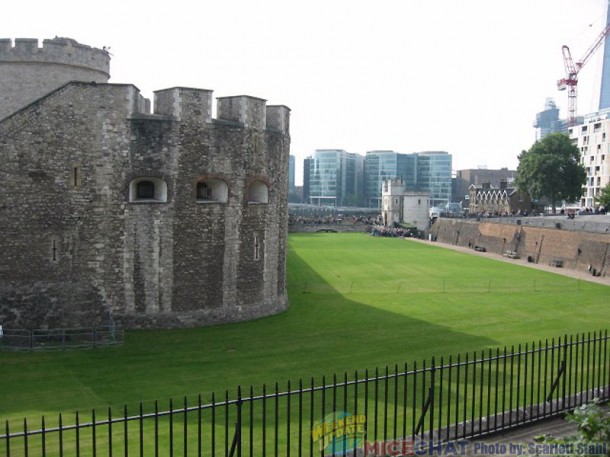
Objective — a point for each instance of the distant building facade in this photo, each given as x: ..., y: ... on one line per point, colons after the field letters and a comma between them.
x: 334, y: 178
x: 548, y: 121
x: 604, y: 93
x: 434, y: 176
x: 592, y: 137
x: 382, y: 165
x: 428, y: 172
x: 306, y: 170
x: 465, y: 178
x: 291, y: 173
x: 503, y: 200
x: 400, y: 206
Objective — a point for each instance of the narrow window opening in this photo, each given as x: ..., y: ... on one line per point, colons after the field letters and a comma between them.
x: 204, y: 191
x: 258, y: 192
x: 54, y: 254
x: 145, y: 189
x: 75, y: 173
x: 148, y: 190
x: 257, y: 248
x: 211, y: 190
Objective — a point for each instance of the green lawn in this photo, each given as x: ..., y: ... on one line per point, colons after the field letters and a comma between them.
x: 357, y: 302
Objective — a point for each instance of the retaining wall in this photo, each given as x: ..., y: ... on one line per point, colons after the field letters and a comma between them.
x: 579, y: 250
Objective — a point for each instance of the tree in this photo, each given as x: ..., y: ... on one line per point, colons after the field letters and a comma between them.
x: 551, y: 169
x: 603, y: 199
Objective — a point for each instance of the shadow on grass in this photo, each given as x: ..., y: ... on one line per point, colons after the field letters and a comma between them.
x: 320, y: 334
x: 352, y: 335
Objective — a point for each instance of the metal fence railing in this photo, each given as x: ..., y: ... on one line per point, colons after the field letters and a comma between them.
x: 369, y: 413
x: 61, y: 338
x: 453, y: 285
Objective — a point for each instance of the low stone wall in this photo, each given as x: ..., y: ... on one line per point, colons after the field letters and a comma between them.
x: 312, y: 228
x: 574, y: 249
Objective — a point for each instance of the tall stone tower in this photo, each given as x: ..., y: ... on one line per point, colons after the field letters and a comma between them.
x: 27, y: 72
x: 109, y: 212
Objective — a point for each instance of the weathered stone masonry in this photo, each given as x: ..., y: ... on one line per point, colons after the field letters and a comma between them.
x: 155, y: 220
x: 576, y: 249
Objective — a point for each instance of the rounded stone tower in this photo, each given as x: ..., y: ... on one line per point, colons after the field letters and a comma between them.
x: 29, y: 72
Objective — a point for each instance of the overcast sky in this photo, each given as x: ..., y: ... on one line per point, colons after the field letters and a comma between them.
x: 463, y: 76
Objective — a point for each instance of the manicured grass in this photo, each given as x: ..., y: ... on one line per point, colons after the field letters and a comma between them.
x: 357, y: 302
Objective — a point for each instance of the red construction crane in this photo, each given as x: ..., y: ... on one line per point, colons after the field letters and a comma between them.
x: 571, y: 79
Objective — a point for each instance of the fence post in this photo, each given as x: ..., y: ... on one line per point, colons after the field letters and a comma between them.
x: 236, y: 445
x: 428, y: 403
x: 561, y: 372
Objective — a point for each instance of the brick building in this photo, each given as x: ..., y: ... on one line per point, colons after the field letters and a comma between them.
x: 499, y: 201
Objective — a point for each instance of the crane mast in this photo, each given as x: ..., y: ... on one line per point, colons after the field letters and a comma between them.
x: 570, y: 81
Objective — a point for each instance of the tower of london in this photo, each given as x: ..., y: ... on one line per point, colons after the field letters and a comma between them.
x: 111, y: 212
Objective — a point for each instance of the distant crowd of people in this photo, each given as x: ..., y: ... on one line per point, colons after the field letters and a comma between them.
x: 393, y: 232
x: 333, y: 219
x: 498, y: 213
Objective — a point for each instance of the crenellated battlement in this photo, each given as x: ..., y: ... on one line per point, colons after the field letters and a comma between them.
x: 179, y: 217
x: 278, y: 117
x: 58, y: 50
x: 29, y: 71
x: 251, y: 112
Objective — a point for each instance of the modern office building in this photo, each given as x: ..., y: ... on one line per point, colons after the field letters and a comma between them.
x: 548, y: 121
x: 383, y: 165
x: 306, y: 167
x: 333, y: 178
x: 593, y: 140
x: 434, y: 176
x: 338, y: 178
x: 591, y: 133
x: 291, y: 173
x: 604, y: 93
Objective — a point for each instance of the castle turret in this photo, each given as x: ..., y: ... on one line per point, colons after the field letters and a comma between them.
x: 29, y: 72
x: 249, y: 111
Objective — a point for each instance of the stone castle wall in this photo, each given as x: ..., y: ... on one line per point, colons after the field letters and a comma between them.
x: 28, y: 72
x: 81, y: 248
x: 578, y: 250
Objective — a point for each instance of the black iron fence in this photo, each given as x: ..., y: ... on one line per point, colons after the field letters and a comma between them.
x: 393, y: 411
x: 60, y: 338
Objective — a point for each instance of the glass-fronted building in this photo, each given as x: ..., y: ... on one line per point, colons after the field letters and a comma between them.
x: 291, y: 173
x: 333, y: 177
x: 548, y: 121
x: 382, y: 165
x: 434, y: 176
x: 306, y: 167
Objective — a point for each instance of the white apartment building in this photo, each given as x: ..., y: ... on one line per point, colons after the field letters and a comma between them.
x: 593, y: 140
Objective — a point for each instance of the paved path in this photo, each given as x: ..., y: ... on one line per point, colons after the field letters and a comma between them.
x: 520, y: 441
x: 604, y: 280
